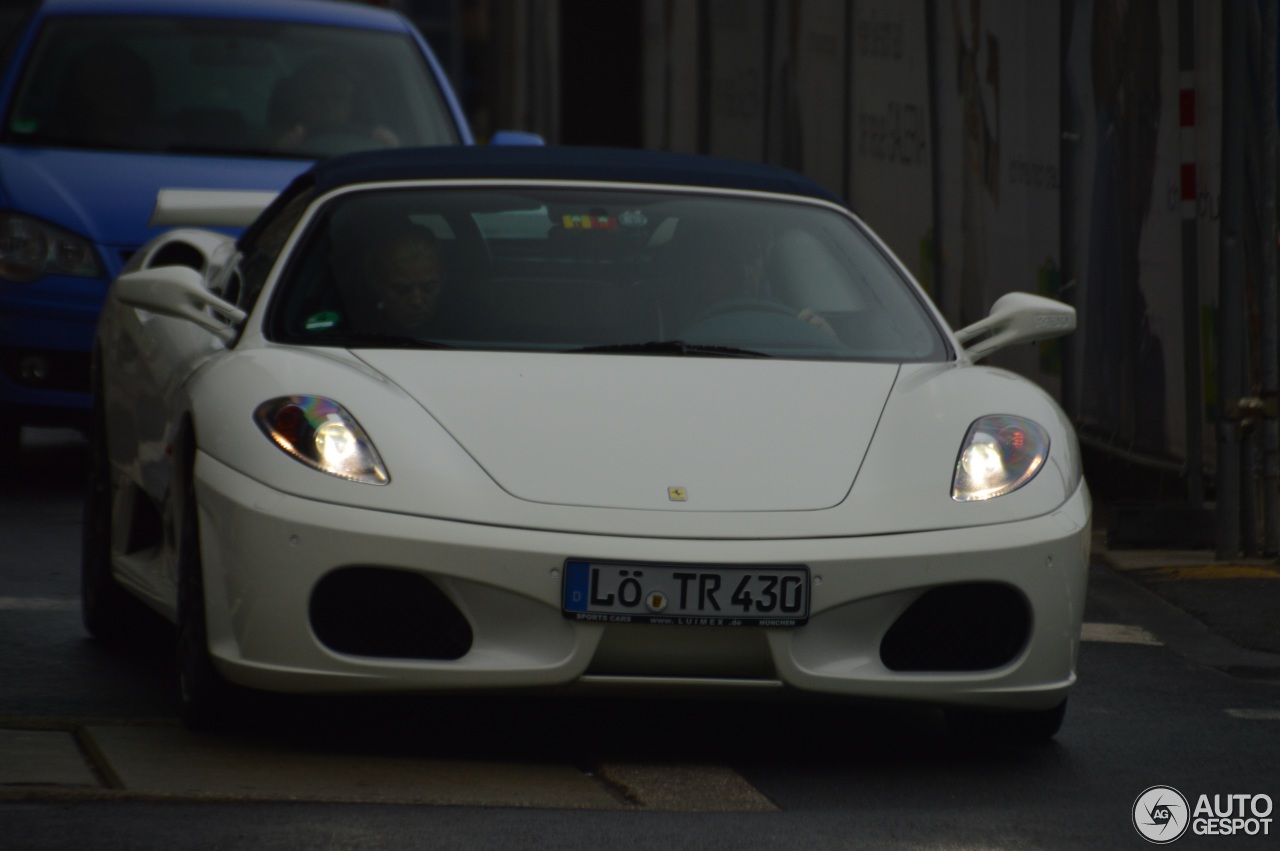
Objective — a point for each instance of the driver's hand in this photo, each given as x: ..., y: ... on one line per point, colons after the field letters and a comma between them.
x: 385, y: 136
x: 816, y: 320
x: 293, y: 137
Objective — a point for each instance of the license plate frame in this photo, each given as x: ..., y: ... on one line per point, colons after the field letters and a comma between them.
x: 716, y: 595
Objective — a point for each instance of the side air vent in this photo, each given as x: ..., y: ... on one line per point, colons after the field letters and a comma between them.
x: 384, y: 613
x: 974, y: 626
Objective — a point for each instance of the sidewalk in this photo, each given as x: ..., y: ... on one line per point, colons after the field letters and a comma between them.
x: 1237, y: 600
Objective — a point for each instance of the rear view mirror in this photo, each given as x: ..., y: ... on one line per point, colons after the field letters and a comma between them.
x: 515, y: 137
x: 1017, y: 318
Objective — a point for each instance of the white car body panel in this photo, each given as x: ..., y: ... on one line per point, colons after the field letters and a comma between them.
x: 503, y: 465
x: 433, y: 475
x: 616, y: 432
x: 507, y: 581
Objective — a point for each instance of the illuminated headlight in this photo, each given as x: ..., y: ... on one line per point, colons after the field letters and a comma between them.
x: 321, y: 434
x: 30, y: 249
x: 999, y: 455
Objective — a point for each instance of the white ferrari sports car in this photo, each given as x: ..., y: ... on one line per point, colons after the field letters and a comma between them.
x: 508, y: 419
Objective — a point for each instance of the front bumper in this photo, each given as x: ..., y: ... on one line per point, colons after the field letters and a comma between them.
x: 46, y: 334
x: 264, y: 553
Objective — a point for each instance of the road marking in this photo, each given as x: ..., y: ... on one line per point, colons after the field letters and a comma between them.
x: 39, y: 604
x: 91, y: 759
x: 43, y: 758
x: 170, y: 763
x: 1115, y: 633
x: 1255, y: 714
x: 684, y: 788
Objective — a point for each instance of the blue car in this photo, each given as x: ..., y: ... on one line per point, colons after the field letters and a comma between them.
x: 107, y: 104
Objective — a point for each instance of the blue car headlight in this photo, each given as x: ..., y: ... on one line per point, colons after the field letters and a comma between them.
x: 321, y: 434
x: 1000, y: 454
x: 31, y: 249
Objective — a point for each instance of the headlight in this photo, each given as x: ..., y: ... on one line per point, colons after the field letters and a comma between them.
x: 321, y: 434
x: 999, y: 455
x: 30, y: 249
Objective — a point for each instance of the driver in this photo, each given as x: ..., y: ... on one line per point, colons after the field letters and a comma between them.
x: 318, y: 100
x: 727, y: 270
x: 405, y: 271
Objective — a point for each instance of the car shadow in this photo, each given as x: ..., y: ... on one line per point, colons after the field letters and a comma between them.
x: 588, y: 731
x: 50, y: 464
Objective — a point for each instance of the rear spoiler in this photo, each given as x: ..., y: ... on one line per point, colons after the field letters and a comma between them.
x: 233, y: 208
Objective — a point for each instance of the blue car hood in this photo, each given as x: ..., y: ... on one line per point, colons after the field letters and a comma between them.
x: 108, y: 197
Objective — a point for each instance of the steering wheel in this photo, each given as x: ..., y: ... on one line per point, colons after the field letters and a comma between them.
x: 746, y: 305
x: 338, y: 140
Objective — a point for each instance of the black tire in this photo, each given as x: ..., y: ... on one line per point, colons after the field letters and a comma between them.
x: 209, y: 700
x: 1015, y: 728
x: 108, y: 611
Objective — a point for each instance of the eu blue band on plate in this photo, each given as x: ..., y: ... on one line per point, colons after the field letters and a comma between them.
x: 577, y: 583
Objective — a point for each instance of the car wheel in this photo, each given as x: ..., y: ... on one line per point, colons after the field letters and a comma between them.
x: 209, y: 701
x: 109, y: 612
x: 1019, y: 727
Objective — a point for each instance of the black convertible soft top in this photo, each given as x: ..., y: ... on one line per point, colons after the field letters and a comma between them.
x: 535, y: 162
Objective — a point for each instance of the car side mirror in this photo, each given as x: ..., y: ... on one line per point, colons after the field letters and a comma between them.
x: 516, y: 137
x: 179, y: 292
x: 1017, y: 318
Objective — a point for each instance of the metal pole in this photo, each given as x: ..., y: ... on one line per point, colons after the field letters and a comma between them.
x: 1231, y: 279
x: 1193, y: 381
x: 1069, y: 134
x: 1248, y: 489
x: 1270, y: 354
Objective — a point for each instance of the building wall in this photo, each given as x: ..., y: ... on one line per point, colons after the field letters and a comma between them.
x: 996, y: 145
x: 1068, y: 148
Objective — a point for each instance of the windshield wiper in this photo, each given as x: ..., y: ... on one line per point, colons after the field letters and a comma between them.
x: 673, y: 347
x: 182, y: 149
x: 381, y: 341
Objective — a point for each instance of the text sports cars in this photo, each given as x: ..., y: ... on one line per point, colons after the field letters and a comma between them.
x: 468, y: 419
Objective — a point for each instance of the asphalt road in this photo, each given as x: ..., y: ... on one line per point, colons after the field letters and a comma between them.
x: 91, y: 756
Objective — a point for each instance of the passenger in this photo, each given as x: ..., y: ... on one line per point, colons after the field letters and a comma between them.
x: 313, y: 110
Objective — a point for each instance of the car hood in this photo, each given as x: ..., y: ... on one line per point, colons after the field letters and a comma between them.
x: 108, y: 197
x: 655, y: 433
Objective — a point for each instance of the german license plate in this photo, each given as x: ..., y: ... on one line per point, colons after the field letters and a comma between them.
x: 686, y: 595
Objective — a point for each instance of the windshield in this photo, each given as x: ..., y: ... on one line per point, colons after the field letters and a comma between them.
x: 595, y: 270
x: 225, y: 87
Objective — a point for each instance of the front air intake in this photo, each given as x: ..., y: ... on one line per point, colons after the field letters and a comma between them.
x: 385, y: 613
x: 974, y: 626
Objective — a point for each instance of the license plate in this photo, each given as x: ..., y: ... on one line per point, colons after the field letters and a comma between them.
x: 686, y: 595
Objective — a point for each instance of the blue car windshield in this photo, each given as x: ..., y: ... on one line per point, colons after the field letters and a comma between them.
x: 226, y: 88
